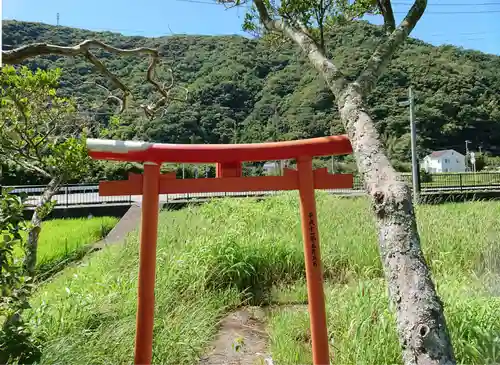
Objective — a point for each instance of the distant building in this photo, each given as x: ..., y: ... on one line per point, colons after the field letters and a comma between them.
x: 271, y: 167
x: 444, y: 161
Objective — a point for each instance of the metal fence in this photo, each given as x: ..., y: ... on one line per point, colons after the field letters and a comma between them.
x: 462, y: 182
x: 449, y: 182
x: 85, y: 194
x: 69, y: 195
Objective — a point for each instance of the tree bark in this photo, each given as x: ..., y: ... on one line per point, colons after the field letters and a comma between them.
x: 421, y: 324
x: 420, y: 319
x: 31, y: 248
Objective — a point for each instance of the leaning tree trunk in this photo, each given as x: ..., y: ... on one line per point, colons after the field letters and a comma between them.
x: 420, y: 320
x: 36, y: 226
x: 419, y: 312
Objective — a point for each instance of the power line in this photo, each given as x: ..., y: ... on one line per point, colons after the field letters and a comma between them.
x: 171, y: 33
x: 427, y: 12
x: 451, y: 4
x: 463, y: 33
x: 448, y: 12
x: 174, y: 34
x: 461, y: 39
x: 199, y: 2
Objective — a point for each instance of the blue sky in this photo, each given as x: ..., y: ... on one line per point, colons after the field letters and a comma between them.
x: 468, y: 23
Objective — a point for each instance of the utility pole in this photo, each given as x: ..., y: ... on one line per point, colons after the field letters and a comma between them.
x: 235, y: 133
x: 276, y: 119
x: 414, y: 160
x: 57, y: 19
x: 192, y: 141
x: 467, y: 154
x: 413, y: 133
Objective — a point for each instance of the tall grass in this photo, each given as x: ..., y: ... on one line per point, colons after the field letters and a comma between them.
x: 220, y: 255
x: 461, y: 246
x: 64, y: 240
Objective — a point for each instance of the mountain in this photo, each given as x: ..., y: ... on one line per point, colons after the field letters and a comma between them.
x: 243, y: 90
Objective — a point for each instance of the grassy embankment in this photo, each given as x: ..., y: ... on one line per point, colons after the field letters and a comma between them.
x: 65, y: 240
x: 212, y: 258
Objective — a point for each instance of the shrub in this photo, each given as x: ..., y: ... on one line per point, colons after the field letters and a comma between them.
x: 16, y: 341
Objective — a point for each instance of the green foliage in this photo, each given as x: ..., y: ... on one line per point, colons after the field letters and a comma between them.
x: 44, y: 210
x: 113, y: 124
x: 16, y: 341
x: 12, y: 224
x: 314, y: 15
x: 492, y: 162
x: 480, y: 161
x: 39, y: 130
x: 63, y: 241
x: 425, y: 177
x: 69, y: 158
x: 245, y: 91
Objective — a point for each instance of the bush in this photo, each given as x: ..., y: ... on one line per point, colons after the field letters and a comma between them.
x: 16, y: 341
x: 425, y: 177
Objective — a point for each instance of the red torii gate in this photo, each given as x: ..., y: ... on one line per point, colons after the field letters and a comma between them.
x: 228, y: 179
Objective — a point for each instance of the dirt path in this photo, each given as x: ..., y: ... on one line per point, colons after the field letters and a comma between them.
x: 242, y: 340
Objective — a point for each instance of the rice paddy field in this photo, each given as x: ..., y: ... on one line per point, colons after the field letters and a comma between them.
x: 64, y: 240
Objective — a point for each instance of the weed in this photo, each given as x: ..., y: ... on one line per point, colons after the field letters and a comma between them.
x: 213, y: 258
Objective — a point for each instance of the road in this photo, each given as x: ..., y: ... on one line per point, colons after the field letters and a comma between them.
x: 88, y: 195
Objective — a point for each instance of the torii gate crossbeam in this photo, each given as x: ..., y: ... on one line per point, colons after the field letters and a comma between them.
x: 228, y: 179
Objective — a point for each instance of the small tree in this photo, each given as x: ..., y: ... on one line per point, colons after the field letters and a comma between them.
x: 16, y: 342
x: 39, y: 136
x: 40, y: 132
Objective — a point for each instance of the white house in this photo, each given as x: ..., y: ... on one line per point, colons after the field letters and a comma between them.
x: 444, y: 161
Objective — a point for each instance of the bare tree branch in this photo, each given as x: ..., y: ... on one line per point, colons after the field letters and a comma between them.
x: 385, y: 8
x: 110, y: 96
x: 335, y: 79
x: 151, y: 109
x: 320, y: 14
x: 23, y: 53
x: 229, y: 4
x: 383, y: 54
x: 29, y: 166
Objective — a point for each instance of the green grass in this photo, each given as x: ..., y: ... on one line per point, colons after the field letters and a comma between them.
x: 64, y: 240
x: 220, y: 255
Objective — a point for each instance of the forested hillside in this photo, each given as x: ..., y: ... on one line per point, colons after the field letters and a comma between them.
x: 243, y: 90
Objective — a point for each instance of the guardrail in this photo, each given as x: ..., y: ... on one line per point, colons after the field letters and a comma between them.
x: 448, y: 182
x: 88, y: 194
x: 69, y: 195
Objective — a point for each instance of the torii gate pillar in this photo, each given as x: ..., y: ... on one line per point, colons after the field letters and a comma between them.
x: 147, y: 265
x: 229, y: 179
